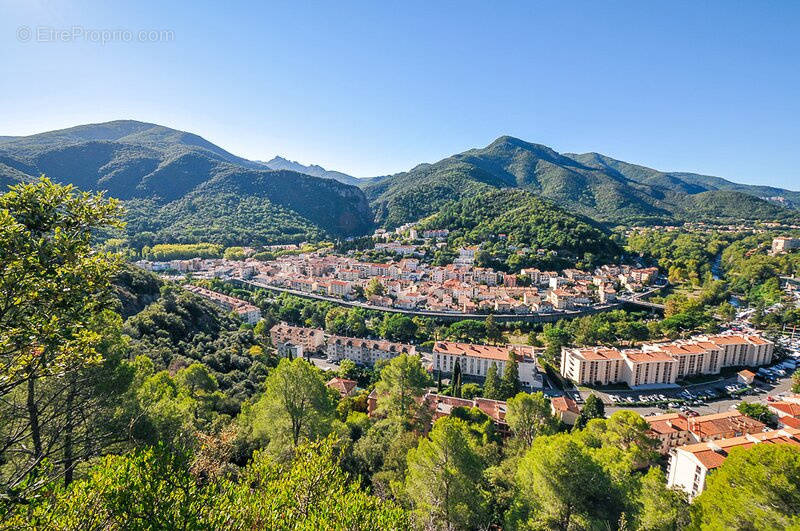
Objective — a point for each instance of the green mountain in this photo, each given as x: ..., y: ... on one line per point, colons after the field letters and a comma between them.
x: 507, y: 220
x: 180, y: 187
x: 591, y: 185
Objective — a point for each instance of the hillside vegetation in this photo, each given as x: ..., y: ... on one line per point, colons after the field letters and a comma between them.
x: 183, y: 188
x: 508, y: 221
x: 592, y: 185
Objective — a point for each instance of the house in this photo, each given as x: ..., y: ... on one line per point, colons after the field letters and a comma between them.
x: 745, y: 376
x: 343, y: 386
x: 788, y: 413
x: 690, y: 466
x: 565, y: 409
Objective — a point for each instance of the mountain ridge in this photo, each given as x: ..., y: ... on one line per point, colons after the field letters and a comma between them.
x: 591, y: 184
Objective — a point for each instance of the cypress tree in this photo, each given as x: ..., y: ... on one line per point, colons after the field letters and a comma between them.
x: 510, y: 384
x: 491, y: 387
x: 456, y: 383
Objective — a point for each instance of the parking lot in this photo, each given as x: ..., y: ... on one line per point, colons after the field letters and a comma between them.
x: 702, y: 398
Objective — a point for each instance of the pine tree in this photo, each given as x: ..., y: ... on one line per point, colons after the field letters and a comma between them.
x: 439, y: 381
x: 510, y: 384
x: 592, y: 409
x: 493, y: 332
x: 491, y: 387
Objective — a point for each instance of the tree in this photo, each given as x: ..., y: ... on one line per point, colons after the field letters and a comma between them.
x: 554, y: 339
x: 629, y: 432
x: 562, y: 487
x: 348, y: 369
x: 661, y: 508
x: 456, y: 379
x: 755, y: 488
x: 443, y: 480
x: 374, y: 287
x: 491, y: 387
x: 529, y: 415
x: 156, y: 488
x: 493, y: 332
x: 796, y: 381
x: 53, y: 292
x: 757, y: 411
x: 402, y: 382
x: 398, y: 327
x: 296, y: 406
x: 510, y: 384
x: 593, y: 408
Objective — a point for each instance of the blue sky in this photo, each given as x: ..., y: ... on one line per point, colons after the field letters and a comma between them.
x: 372, y: 88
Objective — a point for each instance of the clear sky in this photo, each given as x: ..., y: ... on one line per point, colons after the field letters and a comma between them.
x: 371, y: 88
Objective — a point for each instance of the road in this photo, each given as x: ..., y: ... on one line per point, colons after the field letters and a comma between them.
x: 445, y: 316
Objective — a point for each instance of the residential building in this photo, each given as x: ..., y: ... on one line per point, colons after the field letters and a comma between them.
x: 784, y: 244
x: 723, y: 426
x: 671, y: 429
x: 788, y: 413
x: 565, y: 409
x: 343, y: 386
x: 284, y: 335
x: 475, y: 360
x: 662, y: 364
x: 364, y: 351
x: 690, y: 466
x: 249, y: 313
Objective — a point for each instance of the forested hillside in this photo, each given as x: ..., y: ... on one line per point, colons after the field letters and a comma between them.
x: 183, y: 188
x: 592, y: 185
x: 507, y: 221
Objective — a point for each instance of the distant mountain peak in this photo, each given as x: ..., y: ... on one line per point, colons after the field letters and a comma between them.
x: 281, y: 163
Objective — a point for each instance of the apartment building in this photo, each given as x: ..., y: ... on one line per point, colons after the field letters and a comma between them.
x: 475, y: 360
x: 249, y: 313
x: 690, y: 466
x: 594, y: 365
x: 723, y: 426
x: 664, y: 363
x: 364, y: 351
x: 676, y: 429
x: 284, y: 336
x: 671, y: 430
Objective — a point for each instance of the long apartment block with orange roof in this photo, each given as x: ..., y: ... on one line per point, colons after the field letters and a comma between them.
x: 662, y: 364
x: 476, y: 360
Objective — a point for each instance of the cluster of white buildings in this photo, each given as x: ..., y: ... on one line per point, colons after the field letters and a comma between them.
x: 662, y: 364
x: 475, y: 360
x: 249, y: 313
x: 297, y: 341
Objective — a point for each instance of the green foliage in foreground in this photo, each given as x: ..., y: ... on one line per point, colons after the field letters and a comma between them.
x: 756, y: 488
x: 155, y: 489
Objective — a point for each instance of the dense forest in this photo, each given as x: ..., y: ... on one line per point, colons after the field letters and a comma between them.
x: 130, y: 404
x: 508, y: 221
